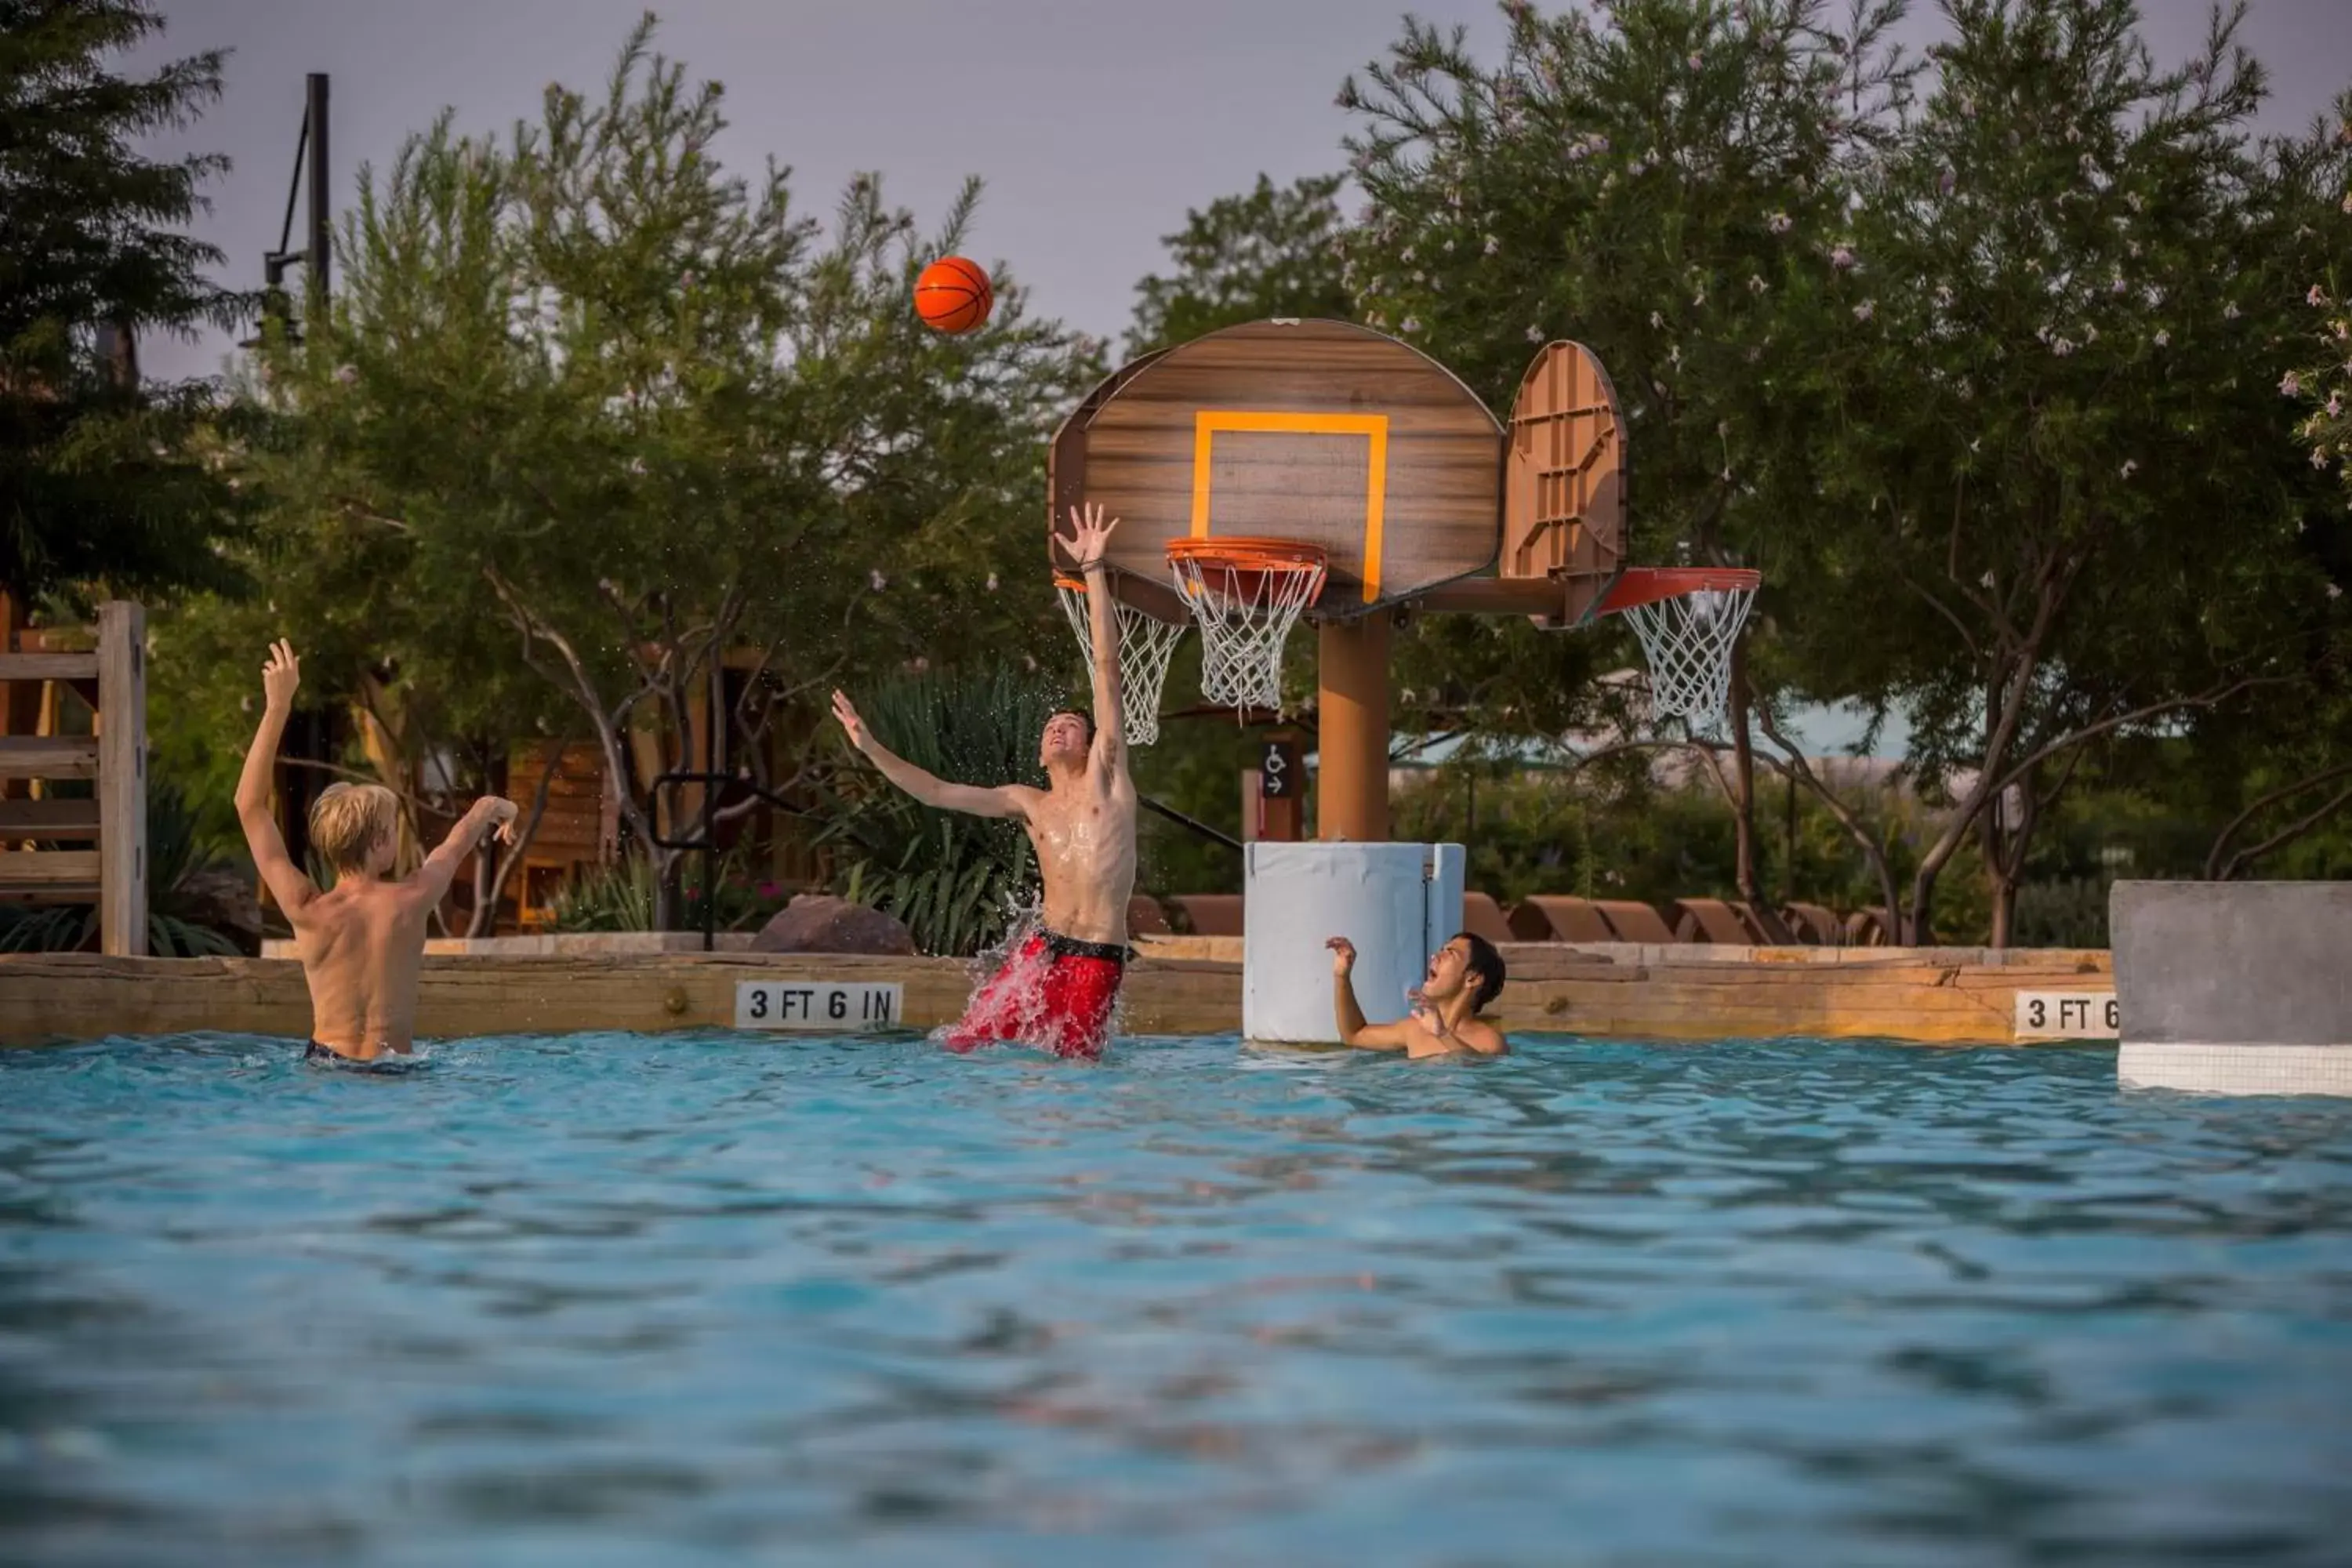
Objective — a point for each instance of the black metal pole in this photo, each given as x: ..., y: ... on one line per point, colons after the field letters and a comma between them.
x: 1180, y: 820
x: 314, y: 119
x: 711, y: 801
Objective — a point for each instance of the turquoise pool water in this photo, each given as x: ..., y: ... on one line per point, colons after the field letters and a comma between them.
x: 718, y: 1299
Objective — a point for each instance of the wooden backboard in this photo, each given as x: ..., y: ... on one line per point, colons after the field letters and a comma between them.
x: 1564, y: 490
x: 1312, y: 430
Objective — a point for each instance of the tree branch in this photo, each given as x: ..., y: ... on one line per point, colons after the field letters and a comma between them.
x: 1794, y: 766
x: 607, y: 725
x: 487, y: 897
x: 2219, y: 870
x: 2286, y: 835
x: 2170, y: 705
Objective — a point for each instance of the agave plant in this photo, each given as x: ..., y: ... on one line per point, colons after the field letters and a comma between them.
x: 620, y: 897
x: 956, y: 882
x: 176, y: 858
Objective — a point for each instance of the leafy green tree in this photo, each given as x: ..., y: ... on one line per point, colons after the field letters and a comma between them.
x: 1272, y: 252
x: 2320, y: 166
x: 2059, y: 506
x: 1666, y: 186
x: 98, y: 493
x: 590, y: 407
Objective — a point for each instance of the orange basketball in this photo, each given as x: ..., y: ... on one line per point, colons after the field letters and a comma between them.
x: 954, y: 295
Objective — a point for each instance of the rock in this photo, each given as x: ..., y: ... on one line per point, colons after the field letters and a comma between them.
x: 818, y: 922
x: 222, y: 899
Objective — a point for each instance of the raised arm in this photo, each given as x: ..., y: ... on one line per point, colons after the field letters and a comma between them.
x: 440, y: 869
x: 975, y: 800
x: 1353, y: 1030
x: 1092, y: 538
x: 286, y: 882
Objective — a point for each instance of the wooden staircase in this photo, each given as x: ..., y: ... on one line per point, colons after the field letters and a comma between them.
x: 108, y: 868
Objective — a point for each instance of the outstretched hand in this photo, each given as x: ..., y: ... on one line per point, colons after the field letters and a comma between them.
x: 850, y: 722
x: 502, y: 814
x: 281, y: 676
x: 1343, y: 956
x: 1090, y: 538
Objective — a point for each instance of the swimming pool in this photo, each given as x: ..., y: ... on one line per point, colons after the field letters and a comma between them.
x: 714, y: 1298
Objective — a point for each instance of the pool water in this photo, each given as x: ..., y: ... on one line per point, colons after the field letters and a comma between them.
x: 708, y: 1298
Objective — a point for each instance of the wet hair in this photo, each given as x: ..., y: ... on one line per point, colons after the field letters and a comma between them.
x: 1486, y: 964
x: 1079, y: 713
x: 348, y: 821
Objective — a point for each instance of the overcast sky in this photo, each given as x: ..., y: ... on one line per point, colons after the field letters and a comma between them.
x: 1096, y: 123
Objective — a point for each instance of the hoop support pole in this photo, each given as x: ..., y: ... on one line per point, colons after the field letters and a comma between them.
x: 1352, y: 782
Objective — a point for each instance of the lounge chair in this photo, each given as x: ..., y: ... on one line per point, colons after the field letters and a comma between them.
x: 1482, y: 916
x: 1868, y: 928
x: 1634, y: 921
x: 1710, y: 921
x: 1814, y: 925
x: 1211, y: 914
x: 1553, y: 917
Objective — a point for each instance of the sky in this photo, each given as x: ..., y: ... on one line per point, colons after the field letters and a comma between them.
x: 1096, y: 124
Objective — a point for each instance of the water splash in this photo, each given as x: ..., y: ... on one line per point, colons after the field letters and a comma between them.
x: 1010, y: 1003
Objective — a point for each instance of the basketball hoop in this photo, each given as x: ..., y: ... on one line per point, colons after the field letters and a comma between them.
x: 1686, y: 617
x: 1145, y: 644
x: 1246, y: 594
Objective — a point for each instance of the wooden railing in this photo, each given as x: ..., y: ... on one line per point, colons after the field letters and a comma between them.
x: 112, y: 871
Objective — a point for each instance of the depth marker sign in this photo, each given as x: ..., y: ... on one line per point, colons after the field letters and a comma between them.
x: 2067, y: 1016
x: 818, y: 1006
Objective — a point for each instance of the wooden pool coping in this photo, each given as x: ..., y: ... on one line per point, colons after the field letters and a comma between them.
x: 1931, y: 997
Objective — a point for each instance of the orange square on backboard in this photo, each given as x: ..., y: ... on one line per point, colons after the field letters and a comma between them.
x: 1208, y: 422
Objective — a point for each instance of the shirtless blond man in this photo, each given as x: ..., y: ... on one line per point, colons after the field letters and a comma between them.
x: 361, y: 941
x: 1463, y: 976
x: 1057, y: 988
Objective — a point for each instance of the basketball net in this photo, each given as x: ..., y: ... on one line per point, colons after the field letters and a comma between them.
x: 1246, y: 595
x: 1146, y: 643
x: 1686, y: 638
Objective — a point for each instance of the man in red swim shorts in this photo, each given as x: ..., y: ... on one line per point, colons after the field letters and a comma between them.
x: 1057, y: 988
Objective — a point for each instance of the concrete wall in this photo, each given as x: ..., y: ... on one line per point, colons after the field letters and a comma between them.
x: 2234, y: 987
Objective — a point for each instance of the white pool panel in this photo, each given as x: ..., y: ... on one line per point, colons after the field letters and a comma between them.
x: 1399, y: 903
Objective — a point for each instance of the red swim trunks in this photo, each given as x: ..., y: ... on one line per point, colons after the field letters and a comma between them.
x: 1052, y: 991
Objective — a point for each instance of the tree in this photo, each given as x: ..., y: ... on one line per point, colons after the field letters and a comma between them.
x: 1273, y: 252
x: 2060, y: 510
x: 584, y: 386
x: 2319, y: 168
x: 1663, y: 187
x: 98, y: 493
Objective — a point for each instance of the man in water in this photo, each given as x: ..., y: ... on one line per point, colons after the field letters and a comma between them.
x: 361, y: 941
x: 1057, y: 988
x: 1464, y: 975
